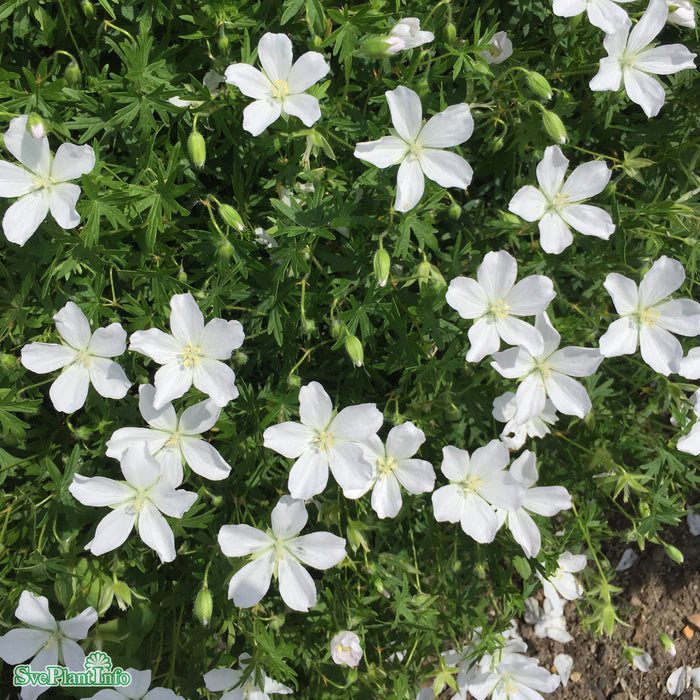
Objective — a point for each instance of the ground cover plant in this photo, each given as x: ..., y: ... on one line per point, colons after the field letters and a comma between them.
x: 337, y: 337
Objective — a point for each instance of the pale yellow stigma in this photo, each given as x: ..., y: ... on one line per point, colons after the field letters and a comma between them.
x: 414, y: 152
x: 471, y: 485
x: 386, y: 465
x: 83, y: 358
x: 649, y: 316
x: 190, y: 356
x: 544, y: 368
x: 279, y: 89
x: 561, y: 200
x: 324, y: 440
x: 499, y: 309
x: 173, y: 442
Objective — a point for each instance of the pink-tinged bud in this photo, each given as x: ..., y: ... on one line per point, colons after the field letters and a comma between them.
x: 554, y: 126
x: 35, y: 126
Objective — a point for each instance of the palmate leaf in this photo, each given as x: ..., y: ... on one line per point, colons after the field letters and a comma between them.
x: 10, y: 405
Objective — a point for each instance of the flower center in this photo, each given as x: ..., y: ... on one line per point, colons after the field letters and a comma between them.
x: 190, y: 356
x: 499, y: 309
x: 279, y: 89
x: 83, y: 358
x: 324, y: 440
x: 545, y: 369
x: 494, y: 51
x: 649, y: 316
x: 561, y: 200
x: 414, y: 151
x: 386, y: 465
x: 138, y: 503
x: 173, y: 442
x: 342, y: 649
x: 471, y: 485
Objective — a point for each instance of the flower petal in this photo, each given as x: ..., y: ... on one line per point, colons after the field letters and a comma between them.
x: 203, y: 459
x: 62, y: 200
x: 307, y: 70
x: 71, y: 653
x: 664, y: 60
x: 513, y: 363
x: 386, y: 496
x: 387, y: 151
x: 221, y: 338
x: 289, y: 439
x: 609, y: 75
x: 650, y: 24
x: 664, y: 277
x: 348, y: 466
x: 447, y: 503
x: 112, y: 531
x: 73, y: 326
x: 623, y: 292
x: 409, y: 185
x: 320, y: 550
x: 199, y: 418
x: 161, y: 347
x: 645, y: 91
x: 108, y: 378
x: 530, y: 398
x: 289, y: 517
x: 258, y: 115
x: 479, y: 520
x: 172, y: 381
x: 587, y: 180
x: 467, y: 297
x: 99, y: 491
x: 660, y: 350
x: 249, y: 80
x: 217, y: 380
x: 576, y: 361
x: 517, y: 332
x: 483, y: 338
x: 416, y: 475
x: 620, y: 338
x: 528, y: 203
x: 249, y: 584
x: 69, y: 391
x: 304, y: 106
x: 551, y: 170
x: 70, y: 162
x: 31, y: 152
x: 139, y: 467
x: 315, y: 406
x: 690, y: 443
x: 23, y: 217
x: 297, y: 588
x: 241, y: 540
x: 446, y: 168
x: 46, y: 357
x: 404, y: 441
x: 555, y: 235
x: 406, y: 112
x: 34, y: 610
x: 525, y: 532
x: 450, y: 127
x: 163, y: 419
x: 15, y: 181
x: 608, y: 16
x: 309, y: 475
x: 171, y: 501
x: 18, y: 645
x: 108, y: 342
x: 690, y: 364
x: 680, y: 316
x: 455, y: 463
x: 567, y: 395
x: 275, y: 56
x: 156, y: 533
x: 356, y: 423
x: 530, y: 296
x: 186, y: 319
x: 78, y: 627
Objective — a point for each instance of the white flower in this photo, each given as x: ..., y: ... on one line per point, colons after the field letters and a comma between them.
x: 546, y: 624
x: 690, y: 443
x: 418, y: 147
x: 192, y: 354
x: 323, y: 441
x: 647, y: 319
x: 631, y: 60
x: 495, y: 300
x: 477, y: 486
x: 690, y: 365
x: 514, y: 434
x: 563, y: 582
x: 84, y: 355
x: 681, y: 12
x: 548, y: 374
x: 346, y: 649
x: 501, y: 48
x: 639, y: 658
x: 137, y: 501
x: 407, y: 34
x: 556, y: 205
x: 604, y: 14
x: 280, y: 87
x: 516, y: 677
x: 543, y: 500
x: 41, y: 182
x: 281, y: 552
x: 229, y: 680
x: 138, y: 689
x: 173, y: 438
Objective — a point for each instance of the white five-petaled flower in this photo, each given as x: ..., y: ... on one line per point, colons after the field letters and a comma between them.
x: 192, y: 354
x: 632, y: 61
x: 84, y: 357
x: 690, y: 443
x: 173, y: 438
x: 229, y: 680
x: 407, y: 34
x: 281, y: 552
x: 681, y: 12
x: 346, y: 649
x: 139, y: 501
x: 604, y: 14
x: 478, y: 485
x: 323, y: 441
x: 500, y: 48
x: 548, y: 374
x: 45, y: 639
x: 280, y: 87
x: 563, y: 582
x: 557, y: 204
x: 138, y: 689
x: 516, y: 677
x: 514, y: 434
x: 418, y: 147
x: 647, y: 319
x: 393, y: 467
x: 495, y: 300
x: 41, y: 182
x: 543, y: 500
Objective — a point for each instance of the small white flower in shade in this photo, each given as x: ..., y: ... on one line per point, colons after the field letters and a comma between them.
x: 516, y: 677
x: 557, y: 204
x: 229, y: 680
x: 41, y: 182
x: 139, y: 501
x: 648, y: 319
x: 563, y: 582
x: 478, y: 485
x: 548, y: 374
x: 192, y: 354
x: 281, y: 552
x: 280, y: 87
x: 45, y: 641
x: 346, y: 649
x: 418, y: 147
x: 500, y: 48
x: 84, y: 357
x: 138, y: 689
x: 604, y: 14
x: 323, y: 441
x: 494, y: 300
x: 513, y: 433
x: 681, y: 12
x: 543, y: 500
x: 173, y: 438
x: 393, y: 467
x: 690, y: 365
x: 632, y: 60
x: 407, y: 34
x: 690, y: 443
x: 640, y: 659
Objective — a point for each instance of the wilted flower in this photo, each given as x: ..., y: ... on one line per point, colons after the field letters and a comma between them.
x: 229, y: 680
x: 546, y: 623
x: 500, y: 48
x: 632, y: 61
x: 85, y: 357
x: 604, y: 14
x: 514, y: 434
x: 639, y: 658
x: 281, y: 552
x: 690, y: 443
x: 563, y: 582
x: 346, y: 649
x: 41, y: 182
x: 280, y: 87
x: 407, y: 34
x: 138, y: 689
x: 557, y: 204
x: 418, y: 147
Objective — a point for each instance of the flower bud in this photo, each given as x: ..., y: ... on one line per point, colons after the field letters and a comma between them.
x: 336, y: 329
x: 674, y: 553
x: 203, y: 605
x: 354, y: 348
x: 455, y: 211
x: 223, y: 41
x: 35, y: 126
x: 181, y: 275
x: 231, y: 217
x: 554, y: 126
x: 539, y: 85
x: 382, y: 266
x: 225, y: 250
x: 378, y: 47
x: 293, y: 380
x: 72, y: 74
x: 316, y: 43
x: 82, y: 433
x: 667, y: 643
x: 197, y: 148
x: 308, y: 325
x: 88, y: 9
x: 8, y: 362
x: 451, y: 32
x: 422, y: 88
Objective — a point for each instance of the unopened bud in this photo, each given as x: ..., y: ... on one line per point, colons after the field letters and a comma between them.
x: 539, y: 85
x: 231, y: 217
x: 82, y: 433
x: 336, y: 329
x: 451, y: 32
x: 223, y: 42
x: 8, y: 361
x: 197, y: 148
x: 554, y: 126
x: 316, y: 43
x: 354, y: 349
x: 225, y: 250
x: 455, y: 211
x: 203, y: 605
x: 382, y: 266
x: 88, y: 9
x: 293, y: 380
x: 181, y: 275
x: 380, y: 47
x: 72, y: 74
x: 35, y: 126
x: 422, y: 88
x: 667, y: 643
x: 308, y: 325
x: 674, y: 553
